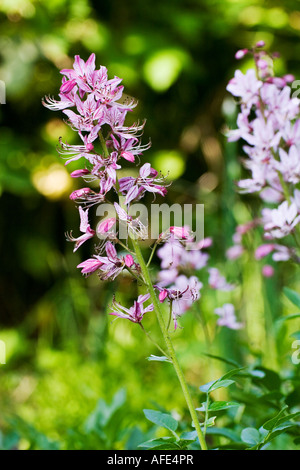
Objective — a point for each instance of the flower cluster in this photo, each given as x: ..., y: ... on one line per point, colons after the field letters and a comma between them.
x: 269, y: 126
x: 180, y: 260
x: 96, y: 103
x: 96, y: 111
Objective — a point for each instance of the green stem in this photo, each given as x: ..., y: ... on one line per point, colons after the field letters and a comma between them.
x: 136, y: 277
x: 169, y: 344
x: 151, y: 255
x: 206, y: 412
x: 154, y: 342
x: 103, y: 144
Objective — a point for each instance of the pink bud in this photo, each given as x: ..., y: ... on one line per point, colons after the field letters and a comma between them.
x: 278, y: 81
x: 267, y: 271
x: 78, y: 173
x: 205, y: 243
x: 162, y: 295
x: 262, y: 64
x: 241, y: 53
x: 289, y: 78
x: 260, y: 44
x: 129, y: 261
x: 80, y: 193
x: 234, y: 252
x: 264, y: 250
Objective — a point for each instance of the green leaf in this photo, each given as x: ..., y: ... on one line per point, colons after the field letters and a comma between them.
x: 231, y: 435
x: 271, y: 380
x: 215, y: 385
x: 209, y: 422
x: 296, y: 335
x: 218, y: 405
x: 104, y: 412
x: 292, y: 295
x: 251, y: 436
x: 279, y: 430
x: 288, y: 317
x: 232, y: 372
x: 158, y: 358
x: 222, y: 359
x: 166, y: 443
x: 258, y: 374
x: 161, y: 419
x: 189, y: 436
x: 272, y: 423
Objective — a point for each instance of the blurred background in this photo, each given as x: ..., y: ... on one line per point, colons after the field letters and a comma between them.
x: 175, y: 57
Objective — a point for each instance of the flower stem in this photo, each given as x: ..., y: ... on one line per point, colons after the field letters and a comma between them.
x: 103, y: 144
x: 169, y: 344
x: 154, y: 342
x: 151, y: 255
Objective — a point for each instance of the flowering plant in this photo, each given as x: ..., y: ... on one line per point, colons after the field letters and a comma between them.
x: 269, y: 125
x: 95, y: 110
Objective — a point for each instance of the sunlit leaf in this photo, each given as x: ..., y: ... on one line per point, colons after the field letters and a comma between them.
x: 161, y: 419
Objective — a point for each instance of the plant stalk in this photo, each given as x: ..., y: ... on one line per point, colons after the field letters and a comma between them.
x: 169, y: 343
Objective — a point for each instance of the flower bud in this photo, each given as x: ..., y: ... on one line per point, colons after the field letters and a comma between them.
x: 80, y: 193
x: 129, y: 261
x: 267, y: 271
x: 241, y: 53
x: 264, y: 250
x: 78, y: 173
x: 162, y: 295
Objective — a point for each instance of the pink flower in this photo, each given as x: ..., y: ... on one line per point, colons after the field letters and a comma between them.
x: 136, y: 312
x: 245, y: 86
x: 280, y: 222
x: 289, y: 165
x: 181, y: 295
x: 148, y: 180
x: 104, y: 226
x: 111, y: 265
x: 227, y: 317
x: 84, y: 227
x: 267, y: 270
x: 90, y: 265
x: 128, y: 148
x: 234, y: 252
x: 217, y: 281
x: 291, y: 132
x: 180, y: 232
